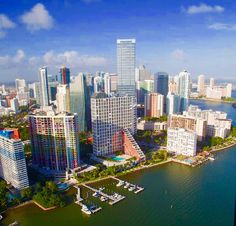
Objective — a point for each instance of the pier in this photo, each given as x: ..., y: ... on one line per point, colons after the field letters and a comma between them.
x: 134, y: 188
x: 113, y: 199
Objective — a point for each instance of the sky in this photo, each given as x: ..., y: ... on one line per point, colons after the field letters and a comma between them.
x: 171, y: 36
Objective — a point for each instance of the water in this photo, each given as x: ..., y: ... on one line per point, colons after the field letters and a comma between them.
x: 175, y: 195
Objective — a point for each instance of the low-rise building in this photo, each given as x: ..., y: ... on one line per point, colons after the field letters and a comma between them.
x: 150, y: 125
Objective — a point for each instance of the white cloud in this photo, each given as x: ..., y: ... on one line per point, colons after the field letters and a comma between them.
x: 5, y: 24
x: 178, y: 54
x: 222, y: 26
x: 72, y: 59
x: 37, y: 18
x: 204, y: 8
x: 12, y: 60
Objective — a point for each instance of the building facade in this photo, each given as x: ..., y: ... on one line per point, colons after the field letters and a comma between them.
x: 63, y: 98
x: 44, y: 90
x: 54, y: 141
x: 126, y: 61
x: 12, y: 159
x: 64, y: 75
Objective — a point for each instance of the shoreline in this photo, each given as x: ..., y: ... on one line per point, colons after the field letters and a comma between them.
x: 214, y: 100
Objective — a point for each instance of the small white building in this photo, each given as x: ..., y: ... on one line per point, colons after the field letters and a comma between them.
x: 181, y: 142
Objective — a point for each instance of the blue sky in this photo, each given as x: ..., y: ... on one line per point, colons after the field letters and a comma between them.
x: 171, y: 35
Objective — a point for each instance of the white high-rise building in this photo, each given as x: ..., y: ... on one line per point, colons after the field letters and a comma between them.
x: 126, y: 61
x: 184, y: 89
x: 110, y: 116
x: 14, y: 105
x: 172, y: 103
x: 201, y: 84
x: 97, y: 84
x: 107, y: 84
x: 212, y: 83
x: 12, y: 159
x: 44, y: 90
x: 181, y: 142
x: 142, y: 74
x: 63, y: 98
x: 20, y: 85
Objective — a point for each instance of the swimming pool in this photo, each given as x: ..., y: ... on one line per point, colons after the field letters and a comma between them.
x: 118, y: 159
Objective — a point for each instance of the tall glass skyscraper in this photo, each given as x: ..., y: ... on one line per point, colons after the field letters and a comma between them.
x: 184, y: 89
x: 64, y: 75
x: 44, y: 94
x: 80, y: 101
x: 126, y: 60
x: 161, y: 85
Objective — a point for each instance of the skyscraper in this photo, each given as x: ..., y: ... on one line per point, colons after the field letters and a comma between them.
x: 161, y: 85
x: 44, y: 91
x: 64, y: 75
x: 107, y: 84
x: 126, y: 60
x: 80, y: 101
x: 54, y: 141
x: 172, y: 104
x: 20, y: 85
x: 12, y: 159
x: 154, y: 104
x: 110, y: 116
x: 201, y: 84
x: 184, y: 89
x: 63, y: 98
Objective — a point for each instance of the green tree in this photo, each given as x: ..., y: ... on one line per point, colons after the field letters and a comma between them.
x: 26, y: 193
x: 3, y: 195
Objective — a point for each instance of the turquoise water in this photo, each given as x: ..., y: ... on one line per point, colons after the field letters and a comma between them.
x: 118, y: 158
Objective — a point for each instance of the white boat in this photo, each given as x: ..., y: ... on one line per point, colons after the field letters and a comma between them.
x: 132, y: 188
x: 96, y: 194
x: 126, y: 185
x: 211, y: 158
x: 1, y: 217
x: 86, y: 210
x: 103, y: 199
x: 121, y: 183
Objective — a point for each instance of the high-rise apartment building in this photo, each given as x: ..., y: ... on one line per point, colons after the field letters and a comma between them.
x: 184, y: 89
x: 110, y: 116
x: 54, y: 141
x: 107, y: 84
x: 201, y: 84
x: 181, y: 142
x: 154, y: 105
x: 64, y: 75
x: 80, y: 101
x: 63, y: 98
x: 172, y: 104
x: 12, y: 159
x: 212, y: 83
x: 20, y: 85
x: 44, y: 90
x: 126, y: 61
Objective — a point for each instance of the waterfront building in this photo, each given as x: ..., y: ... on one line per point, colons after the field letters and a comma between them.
x: 63, y: 98
x: 80, y: 101
x: 12, y: 159
x: 54, y: 141
x: 44, y: 90
x: 154, y: 105
x: 197, y: 125
x: 201, y: 85
x: 172, y: 104
x: 126, y: 61
x: 64, y: 75
x: 212, y: 83
x: 184, y: 89
x: 110, y: 116
x: 150, y: 125
x: 213, y: 93
x: 181, y: 142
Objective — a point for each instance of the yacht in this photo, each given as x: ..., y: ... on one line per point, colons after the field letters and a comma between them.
x: 1, y: 217
x: 211, y: 158
x: 132, y: 188
x: 126, y: 185
x: 121, y: 183
x: 86, y: 210
x: 103, y: 199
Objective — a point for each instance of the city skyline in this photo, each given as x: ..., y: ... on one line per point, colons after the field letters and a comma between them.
x: 169, y: 36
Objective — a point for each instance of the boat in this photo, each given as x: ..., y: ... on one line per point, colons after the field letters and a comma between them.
x: 126, y: 185
x: 103, y: 199
x: 132, y: 188
x: 1, y: 217
x: 211, y: 158
x: 96, y: 194
x: 121, y: 183
x: 86, y: 210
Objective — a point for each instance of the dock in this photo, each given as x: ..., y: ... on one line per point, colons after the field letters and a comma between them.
x: 137, y: 190
x: 112, y: 200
